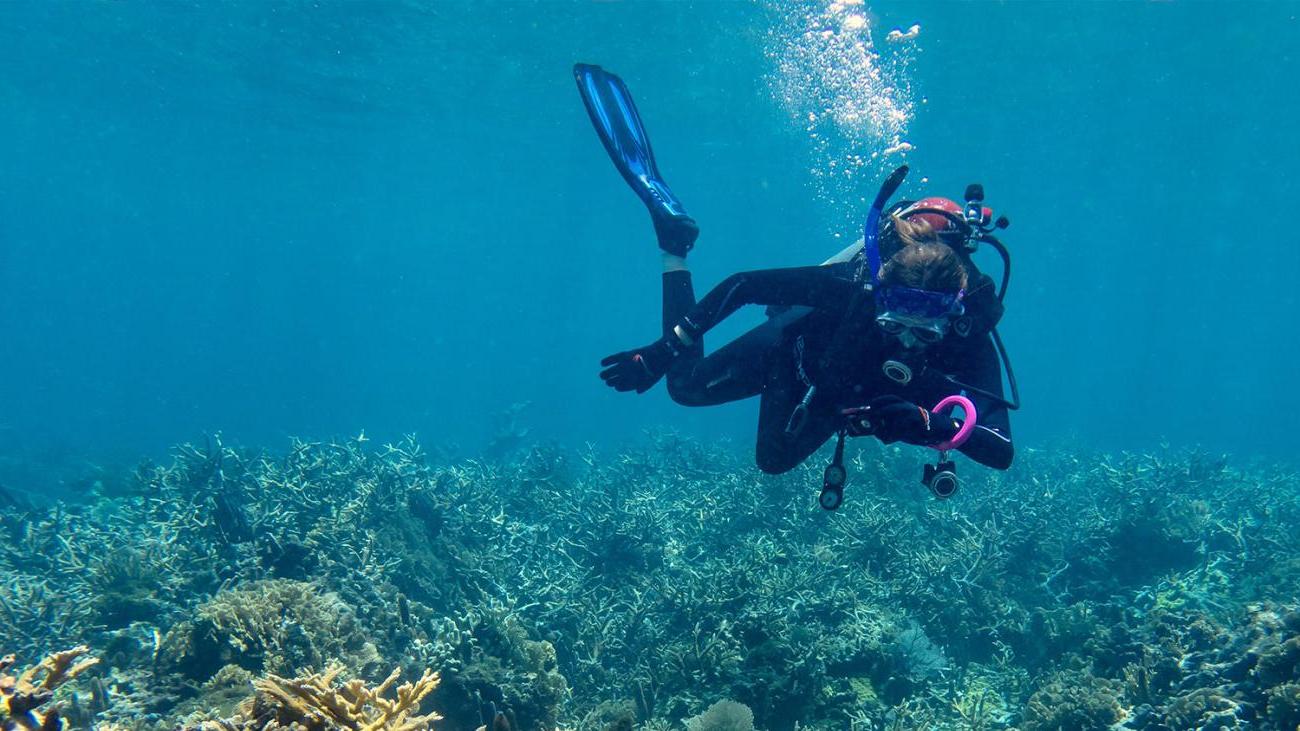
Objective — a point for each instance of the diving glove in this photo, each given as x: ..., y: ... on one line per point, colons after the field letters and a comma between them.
x: 893, y: 419
x: 639, y: 370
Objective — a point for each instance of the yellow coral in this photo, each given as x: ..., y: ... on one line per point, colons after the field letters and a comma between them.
x: 22, y: 696
x: 316, y: 702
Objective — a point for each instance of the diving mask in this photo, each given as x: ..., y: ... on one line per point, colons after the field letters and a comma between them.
x: 917, y: 315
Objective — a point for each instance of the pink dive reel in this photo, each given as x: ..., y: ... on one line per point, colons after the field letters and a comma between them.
x: 941, y: 477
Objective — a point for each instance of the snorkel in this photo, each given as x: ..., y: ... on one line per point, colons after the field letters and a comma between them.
x: 871, y: 229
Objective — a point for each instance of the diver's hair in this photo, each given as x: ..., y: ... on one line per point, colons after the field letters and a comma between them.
x: 922, y: 262
x: 909, y: 233
x: 901, y: 233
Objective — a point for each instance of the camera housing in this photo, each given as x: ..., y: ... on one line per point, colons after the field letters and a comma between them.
x: 942, y: 479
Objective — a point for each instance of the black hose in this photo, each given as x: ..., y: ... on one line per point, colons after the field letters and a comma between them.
x: 1006, y: 262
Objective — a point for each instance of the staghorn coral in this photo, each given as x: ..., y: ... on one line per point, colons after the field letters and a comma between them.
x: 23, y: 696
x: 321, y: 702
x: 220, y: 697
x: 38, y: 613
x: 125, y: 584
x: 979, y: 706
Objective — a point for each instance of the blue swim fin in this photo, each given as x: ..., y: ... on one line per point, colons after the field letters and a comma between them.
x: 609, y: 103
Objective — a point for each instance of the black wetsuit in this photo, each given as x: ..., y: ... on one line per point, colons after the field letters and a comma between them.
x: 781, y: 358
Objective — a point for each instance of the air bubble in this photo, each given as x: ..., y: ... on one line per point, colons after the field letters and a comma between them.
x: 855, y: 102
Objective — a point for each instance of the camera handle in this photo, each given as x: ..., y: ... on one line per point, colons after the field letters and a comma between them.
x: 941, y: 477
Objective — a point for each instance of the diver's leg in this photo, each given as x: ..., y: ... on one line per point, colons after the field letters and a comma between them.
x: 735, y: 371
x: 678, y: 299
x: 777, y: 449
x: 679, y: 296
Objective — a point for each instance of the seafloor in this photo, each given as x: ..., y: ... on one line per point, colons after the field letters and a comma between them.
x: 665, y: 588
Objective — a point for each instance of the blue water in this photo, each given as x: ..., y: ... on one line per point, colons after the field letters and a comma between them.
x: 273, y: 219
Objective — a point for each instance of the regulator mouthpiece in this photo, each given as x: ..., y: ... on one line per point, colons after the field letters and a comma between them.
x: 897, y: 371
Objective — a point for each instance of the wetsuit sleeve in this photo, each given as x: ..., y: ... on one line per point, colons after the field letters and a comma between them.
x: 813, y: 286
x: 990, y: 442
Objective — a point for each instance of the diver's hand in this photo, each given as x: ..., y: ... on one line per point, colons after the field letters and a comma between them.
x: 858, y: 422
x: 638, y: 370
x: 892, y: 419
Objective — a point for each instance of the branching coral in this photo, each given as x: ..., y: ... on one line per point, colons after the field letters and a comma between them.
x: 37, y: 613
x: 496, y: 662
x: 1284, y: 706
x: 22, y: 697
x: 322, y: 702
x: 317, y: 702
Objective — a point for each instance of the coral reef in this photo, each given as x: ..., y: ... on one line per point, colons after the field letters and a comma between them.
x: 554, y: 589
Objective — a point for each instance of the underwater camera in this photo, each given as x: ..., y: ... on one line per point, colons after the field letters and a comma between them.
x: 941, y: 478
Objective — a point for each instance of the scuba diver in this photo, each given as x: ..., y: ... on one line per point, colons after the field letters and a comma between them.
x: 886, y: 339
